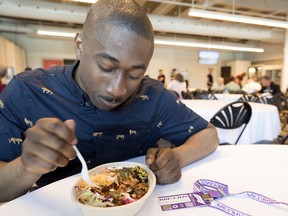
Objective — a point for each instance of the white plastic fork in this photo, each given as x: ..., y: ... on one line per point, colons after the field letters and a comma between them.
x: 84, y: 170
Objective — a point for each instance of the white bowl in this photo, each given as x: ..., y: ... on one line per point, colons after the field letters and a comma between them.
x: 128, y: 209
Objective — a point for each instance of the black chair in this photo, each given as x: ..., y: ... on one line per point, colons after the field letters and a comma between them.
x: 249, y: 98
x: 277, y: 100
x: 238, y: 92
x: 187, y: 95
x: 279, y: 140
x: 205, y: 96
x: 175, y: 93
x: 266, y: 99
x: 233, y: 116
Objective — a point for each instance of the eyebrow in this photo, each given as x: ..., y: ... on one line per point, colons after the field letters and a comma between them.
x: 105, y: 55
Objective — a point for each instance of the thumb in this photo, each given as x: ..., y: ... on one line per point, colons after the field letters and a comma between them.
x: 151, y: 155
x: 71, y: 124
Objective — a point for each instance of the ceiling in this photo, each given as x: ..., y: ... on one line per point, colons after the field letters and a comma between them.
x: 169, y: 18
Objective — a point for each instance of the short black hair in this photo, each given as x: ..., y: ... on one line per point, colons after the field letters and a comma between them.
x: 121, y: 13
x: 27, y: 68
x: 266, y: 77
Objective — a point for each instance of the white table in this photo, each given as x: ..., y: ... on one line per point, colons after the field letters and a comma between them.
x: 264, y: 123
x: 258, y: 168
x: 228, y: 97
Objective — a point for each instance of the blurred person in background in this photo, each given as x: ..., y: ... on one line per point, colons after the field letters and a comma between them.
x: 252, y: 86
x: 9, y: 75
x: 267, y: 86
x: 210, y: 78
x: 240, y: 78
x: 178, y: 85
x: 2, y: 75
x: 161, y: 76
x: 27, y: 69
x: 232, y: 85
x: 219, y: 86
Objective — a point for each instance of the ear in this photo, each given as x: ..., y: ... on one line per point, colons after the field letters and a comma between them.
x: 78, y: 45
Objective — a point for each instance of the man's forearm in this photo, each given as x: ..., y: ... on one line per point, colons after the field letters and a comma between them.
x: 15, y: 180
x: 197, y: 146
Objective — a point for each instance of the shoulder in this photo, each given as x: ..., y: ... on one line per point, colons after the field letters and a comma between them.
x: 40, y: 74
x: 275, y: 85
x: 55, y: 79
x: 38, y: 81
x: 149, y: 91
x: 150, y: 85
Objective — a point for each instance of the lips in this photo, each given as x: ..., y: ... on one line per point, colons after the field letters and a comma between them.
x: 110, y: 103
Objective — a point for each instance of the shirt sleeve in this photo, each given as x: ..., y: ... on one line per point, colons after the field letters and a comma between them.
x: 12, y: 121
x: 174, y: 121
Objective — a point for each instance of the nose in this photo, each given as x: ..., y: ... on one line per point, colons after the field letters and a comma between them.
x: 117, y: 86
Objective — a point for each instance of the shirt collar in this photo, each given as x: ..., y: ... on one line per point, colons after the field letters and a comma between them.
x: 76, y: 90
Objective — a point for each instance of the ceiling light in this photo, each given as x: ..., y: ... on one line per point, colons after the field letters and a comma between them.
x: 85, y: 1
x: 56, y: 33
x: 237, y: 18
x: 206, y: 45
x: 163, y: 41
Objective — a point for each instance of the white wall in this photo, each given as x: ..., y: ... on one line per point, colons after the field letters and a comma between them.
x: 38, y: 49
x: 273, y: 52
x: 165, y: 58
x: 238, y: 67
x: 183, y: 59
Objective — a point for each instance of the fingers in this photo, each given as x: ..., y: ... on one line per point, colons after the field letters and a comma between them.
x: 48, y: 145
x: 58, y: 128
x: 151, y: 155
x: 165, y: 165
x: 58, y: 140
x: 71, y: 124
x: 59, y: 154
x: 38, y: 164
x: 168, y: 174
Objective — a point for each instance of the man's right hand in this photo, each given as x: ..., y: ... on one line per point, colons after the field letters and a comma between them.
x: 48, y: 145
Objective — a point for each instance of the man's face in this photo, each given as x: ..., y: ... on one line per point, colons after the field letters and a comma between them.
x: 112, y: 68
x: 265, y: 82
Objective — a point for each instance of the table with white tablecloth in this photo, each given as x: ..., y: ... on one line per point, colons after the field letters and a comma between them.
x: 228, y: 97
x: 264, y: 123
x: 257, y: 168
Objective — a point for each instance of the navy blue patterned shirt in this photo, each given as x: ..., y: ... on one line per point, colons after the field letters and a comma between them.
x: 128, y: 131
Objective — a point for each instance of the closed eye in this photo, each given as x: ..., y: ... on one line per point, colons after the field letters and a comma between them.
x: 133, y: 77
x: 105, y: 69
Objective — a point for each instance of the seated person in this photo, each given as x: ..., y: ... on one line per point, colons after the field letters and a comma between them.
x: 218, y: 86
x: 232, y: 85
x: 241, y: 77
x: 102, y: 103
x: 187, y: 94
x: 267, y: 86
x: 252, y: 87
x: 177, y: 85
x: 161, y: 76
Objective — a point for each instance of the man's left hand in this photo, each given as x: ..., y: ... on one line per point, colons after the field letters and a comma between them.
x: 165, y: 165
